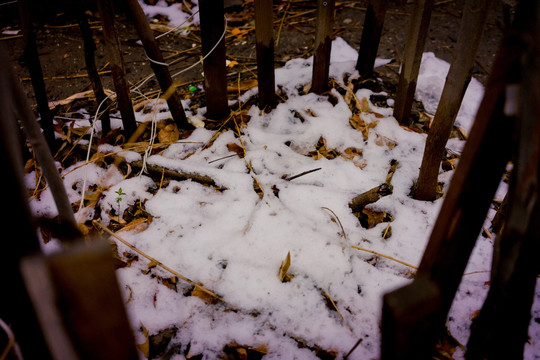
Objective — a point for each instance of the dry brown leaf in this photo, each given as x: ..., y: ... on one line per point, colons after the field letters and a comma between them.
x: 243, y: 85
x: 351, y: 152
x: 169, y: 134
x: 235, y: 148
x: 204, y: 296
x: 383, y: 140
x: 364, y: 105
x: 138, y: 225
x: 282, y: 275
x: 145, y: 347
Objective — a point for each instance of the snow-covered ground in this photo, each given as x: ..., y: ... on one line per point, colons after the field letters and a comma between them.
x: 233, y: 240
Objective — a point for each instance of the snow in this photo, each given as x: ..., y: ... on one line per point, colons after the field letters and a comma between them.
x: 233, y: 241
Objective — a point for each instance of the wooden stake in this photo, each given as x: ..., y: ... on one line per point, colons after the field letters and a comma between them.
x: 264, y: 44
x: 31, y: 58
x: 112, y: 47
x: 472, y: 25
x: 460, y: 220
x: 371, y: 36
x: 93, y: 74
x: 416, y: 38
x: 212, y: 19
x: 163, y: 76
x: 323, y: 45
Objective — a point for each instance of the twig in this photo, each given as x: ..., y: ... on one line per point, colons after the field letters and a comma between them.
x: 154, y: 261
x: 353, y: 348
x: 281, y: 23
x: 289, y: 178
x: 12, y: 343
x: 384, y: 256
x: 338, y: 221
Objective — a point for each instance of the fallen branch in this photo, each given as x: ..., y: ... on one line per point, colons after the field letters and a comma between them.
x: 158, y: 170
x: 289, y: 178
x: 359, y: 202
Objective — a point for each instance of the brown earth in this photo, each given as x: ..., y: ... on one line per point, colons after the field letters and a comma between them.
x: 62, y: 57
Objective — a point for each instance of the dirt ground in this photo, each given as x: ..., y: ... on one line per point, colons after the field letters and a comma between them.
x: 62, y: 57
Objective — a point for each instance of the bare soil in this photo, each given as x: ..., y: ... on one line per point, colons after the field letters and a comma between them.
x: 62, y: 56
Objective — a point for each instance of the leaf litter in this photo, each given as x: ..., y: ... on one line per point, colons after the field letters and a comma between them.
x: 215, y: 282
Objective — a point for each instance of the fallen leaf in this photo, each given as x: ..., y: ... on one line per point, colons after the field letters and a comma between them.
x: 144, y: 347
x: 282, y: 275
x: 204, y: 296
x: 243, y: 85
x: 169, y: 134
x: 235, y: 148
x: 138, y: 225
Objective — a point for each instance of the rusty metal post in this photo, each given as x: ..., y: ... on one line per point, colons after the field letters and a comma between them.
x: 161, y: 71
x: 414, y: 47
x: 371, y: 36
x: 323, y: 45
x: 472, y: 25
x: 31, y: 58
x: 212, y: 17
x: 112, y: 47
x: 264, y: 43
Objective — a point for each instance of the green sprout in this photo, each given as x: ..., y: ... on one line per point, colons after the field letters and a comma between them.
x: 120, y: 193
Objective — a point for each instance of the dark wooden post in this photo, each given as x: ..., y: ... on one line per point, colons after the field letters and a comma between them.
x: 264, y: 43
x: 79, y: 304
x: 89, y: 52
x: 323, y: 45
x: 501, y: 329
x: 371, y: 36
x: 163, y: 76
x: 31, y: 58
x: 463, y: 212
x: 112, y: 47
x: 472, y: 25
x: 414, y: 47
x: 15, y: 306
x: 212, y: 19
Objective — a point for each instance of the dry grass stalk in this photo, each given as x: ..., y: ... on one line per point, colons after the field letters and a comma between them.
x: 158, y: 263
x: 384, y: 256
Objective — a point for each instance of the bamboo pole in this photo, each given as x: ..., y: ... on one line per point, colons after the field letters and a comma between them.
x: 323, y: 45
